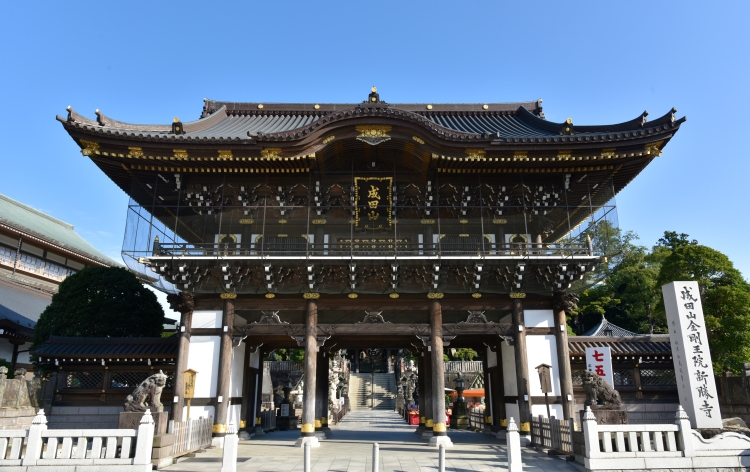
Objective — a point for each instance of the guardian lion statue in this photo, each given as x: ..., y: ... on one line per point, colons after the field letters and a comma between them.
x: 597, y: 388
x: 148, y: 394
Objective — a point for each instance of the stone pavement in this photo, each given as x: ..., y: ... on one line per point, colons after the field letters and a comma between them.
x: 349, y: 448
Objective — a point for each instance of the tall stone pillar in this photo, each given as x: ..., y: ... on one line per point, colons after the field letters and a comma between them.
x: 439, y: 430
x: 564, y: 303
x: 225, y: 366
x: 311, y: 356
x: 522, y: 364
x: 183, y: 303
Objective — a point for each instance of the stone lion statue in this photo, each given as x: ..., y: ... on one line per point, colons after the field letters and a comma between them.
x: 597, y: 388
x: 147, y: 394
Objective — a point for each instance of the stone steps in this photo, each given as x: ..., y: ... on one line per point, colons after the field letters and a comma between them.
x: 361, y: 390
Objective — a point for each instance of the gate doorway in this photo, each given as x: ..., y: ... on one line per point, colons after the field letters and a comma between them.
x: 372, y: 384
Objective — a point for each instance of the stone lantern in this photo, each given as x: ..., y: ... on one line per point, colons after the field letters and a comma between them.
x: 460, y: 416
x: 286, y: 419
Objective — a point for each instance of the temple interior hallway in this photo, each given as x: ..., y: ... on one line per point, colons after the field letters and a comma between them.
x: 350, y: 449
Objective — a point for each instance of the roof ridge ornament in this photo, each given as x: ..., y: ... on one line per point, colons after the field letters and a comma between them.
x: 567, y: 129
x: 374, y: 96
x: 177, y: 127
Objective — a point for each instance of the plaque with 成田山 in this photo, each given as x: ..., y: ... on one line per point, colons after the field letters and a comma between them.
x: 373, y: 202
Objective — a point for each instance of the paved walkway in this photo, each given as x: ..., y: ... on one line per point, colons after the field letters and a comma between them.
x: 349, y: 448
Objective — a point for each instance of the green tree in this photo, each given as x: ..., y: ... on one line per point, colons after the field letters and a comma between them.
x: 672, y: 240
x: 100, y: 302
x: 465, y: 354
x: 725, y: 296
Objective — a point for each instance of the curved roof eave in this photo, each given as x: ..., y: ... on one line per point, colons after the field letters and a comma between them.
x: 104, y: 121
x: 631, y: 125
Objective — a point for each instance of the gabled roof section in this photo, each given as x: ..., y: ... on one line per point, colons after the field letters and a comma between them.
x: 605, y: 328
x: 31, y: 222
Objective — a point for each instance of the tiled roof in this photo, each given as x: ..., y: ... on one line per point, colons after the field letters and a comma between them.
x: 605, y: 326
x: 33, y: 222
x: 108, y: 348
x: 634, y: 345
x: 240, y: 121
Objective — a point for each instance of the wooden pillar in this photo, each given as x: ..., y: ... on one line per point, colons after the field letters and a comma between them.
x: 498, y: 392
x: 14, y: 357
x: 421, y: 375
x: 321, y: 392
x: 184, y: 304
x: 311, y: 356
x: 489, y: 392
x: 225, y: 366
x: 562, y: 304
x: 522, y: 364
x: 259, y: 386
x: 247, y: 420
x: 439, y: 429
x: 425, y: 397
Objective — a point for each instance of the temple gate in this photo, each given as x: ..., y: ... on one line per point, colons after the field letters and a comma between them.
x: 371, y: 225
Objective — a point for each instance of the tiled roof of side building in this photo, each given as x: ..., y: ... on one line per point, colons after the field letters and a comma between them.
x: 121, y: 348
x: 40, y: 225
x: 635, y: 345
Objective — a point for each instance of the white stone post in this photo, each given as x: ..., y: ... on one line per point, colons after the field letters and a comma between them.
x: 441, y: 458
x: 375, y: 457
x: 144, y: 440
x: 35, y: 443
x: 513, y: 440
x: 307, y: 460
x: 229, y: 455
x: 686, y: 432
x: 591, y: 434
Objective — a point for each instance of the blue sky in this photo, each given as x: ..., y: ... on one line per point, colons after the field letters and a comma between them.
x: 595, y: 62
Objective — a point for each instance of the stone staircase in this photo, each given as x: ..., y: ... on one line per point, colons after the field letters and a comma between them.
x: 360, y: 388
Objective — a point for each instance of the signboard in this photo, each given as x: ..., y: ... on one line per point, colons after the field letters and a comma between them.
x: 285, y: 409
x: 599, y: 361
x: 373, y: 202
x: 189, y: 381
x: 692, y: 359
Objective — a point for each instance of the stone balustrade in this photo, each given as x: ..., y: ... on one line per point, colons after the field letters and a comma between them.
x: 40, y: 449
x: 660, y: 446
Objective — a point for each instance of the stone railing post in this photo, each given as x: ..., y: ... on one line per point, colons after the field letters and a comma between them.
x: 229, y: 455
x: 591, y: 434
x: 144, y: 440
x: 513, y: 440
x: 685, y: 441
x: 34, y: 444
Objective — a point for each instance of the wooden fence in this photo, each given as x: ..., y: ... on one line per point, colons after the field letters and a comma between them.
x: 342, y: 412
x: 476, y: 418
x: 462, y: 366
x: 552, y: 433
x: 191, y: 435
x: 268, y: 420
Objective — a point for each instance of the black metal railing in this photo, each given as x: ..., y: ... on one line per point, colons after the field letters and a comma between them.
x: 385, y: 249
